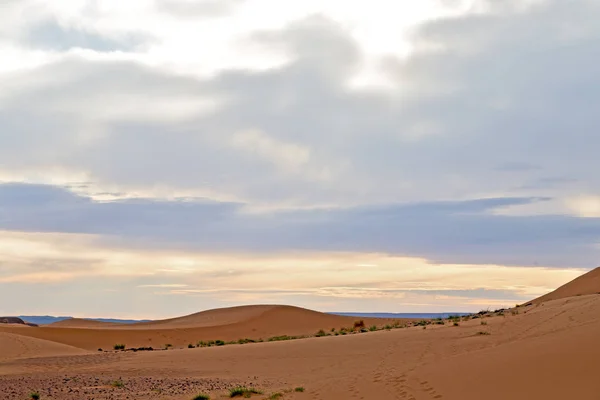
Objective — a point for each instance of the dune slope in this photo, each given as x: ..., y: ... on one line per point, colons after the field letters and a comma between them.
x: 588, y: 283
x: 16, y: 346
x: 229, y: 324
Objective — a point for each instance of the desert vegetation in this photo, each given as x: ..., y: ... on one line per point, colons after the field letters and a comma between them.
x: 117, y: 384
x: 242, y: 391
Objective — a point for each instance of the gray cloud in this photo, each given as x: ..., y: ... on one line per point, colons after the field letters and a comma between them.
x: 49, y: 34
x: 504, y: 103
x: 447, y: 232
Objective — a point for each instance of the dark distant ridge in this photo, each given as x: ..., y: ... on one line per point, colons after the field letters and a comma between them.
x: 15, y: 320
x: 47, y: 319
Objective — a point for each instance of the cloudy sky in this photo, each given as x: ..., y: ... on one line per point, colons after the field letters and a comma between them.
x: 161, y: 157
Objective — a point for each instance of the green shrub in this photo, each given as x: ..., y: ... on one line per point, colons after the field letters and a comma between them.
x: 373, y: 328
x: 321, y: 333
x: 282, y: 338
x: 117, y: 384
x: 201, y: 396
x: 34, y: 396
x: 243, y: 391
x: 299, y: 389
x: 119, y: 347
x: 191, y: 346
x: 219, y: 343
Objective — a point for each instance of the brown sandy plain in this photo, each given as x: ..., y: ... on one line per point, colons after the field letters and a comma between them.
x: 546, y: 349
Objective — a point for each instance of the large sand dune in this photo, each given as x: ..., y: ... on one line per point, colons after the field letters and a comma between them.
x: 229, y: 324
x: 586, y: 284
x: 547, y: 350
x: 15, y: 346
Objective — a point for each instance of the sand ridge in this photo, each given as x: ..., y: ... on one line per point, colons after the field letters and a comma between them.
x: 229, y: 324
x: 16, y: 346
x: 588, y: 283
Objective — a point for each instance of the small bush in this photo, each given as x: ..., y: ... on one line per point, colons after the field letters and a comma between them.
x: 321, y: 333
x: 373, y: 328
x: 117, y: 384
x: 243, y: 392
x: 201, y: 396
x: 483, y: 333
x: 244, y: 341
x: 388, y: 327
x: 275, y: 396
x: 119, y: 347
x: 286, y: 337
x: 100, y: 349
x: 359, y: 324
x: 219, y: 343
x: 483, y: 323
x: 34, y: 396
x: 191, y: 346
x: 456, y: 324
x: 299, y: 389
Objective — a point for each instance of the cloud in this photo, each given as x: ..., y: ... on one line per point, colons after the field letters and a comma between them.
x: 86, y: 267
x: 195, y: 9
x: 484, y: 116
x: 50, y: 35
x: 446, y: 232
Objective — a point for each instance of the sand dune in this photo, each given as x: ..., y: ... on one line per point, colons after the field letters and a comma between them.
x: 547, y: 350
x: 586, y: 284
x: 16, y: 346
x: 229, y: 324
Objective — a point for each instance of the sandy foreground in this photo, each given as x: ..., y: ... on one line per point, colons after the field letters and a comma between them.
x: 546, y: 350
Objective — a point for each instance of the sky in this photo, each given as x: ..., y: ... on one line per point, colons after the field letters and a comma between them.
x: 163, y: 157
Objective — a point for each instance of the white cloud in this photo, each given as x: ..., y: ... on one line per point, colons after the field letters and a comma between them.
x: 585, y: 206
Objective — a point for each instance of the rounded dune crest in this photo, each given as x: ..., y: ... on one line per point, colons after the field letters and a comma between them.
x: 586, y: 284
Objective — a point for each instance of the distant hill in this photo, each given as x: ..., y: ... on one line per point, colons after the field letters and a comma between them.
x: 15, y: 321
x: 47, y: 319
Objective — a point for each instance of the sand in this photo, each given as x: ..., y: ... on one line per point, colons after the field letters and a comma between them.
x: 547, y: 350
x: 229, y: 324
x: 586, y: 284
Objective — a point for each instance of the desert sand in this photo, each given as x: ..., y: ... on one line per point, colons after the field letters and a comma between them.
x: 546, y: 349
